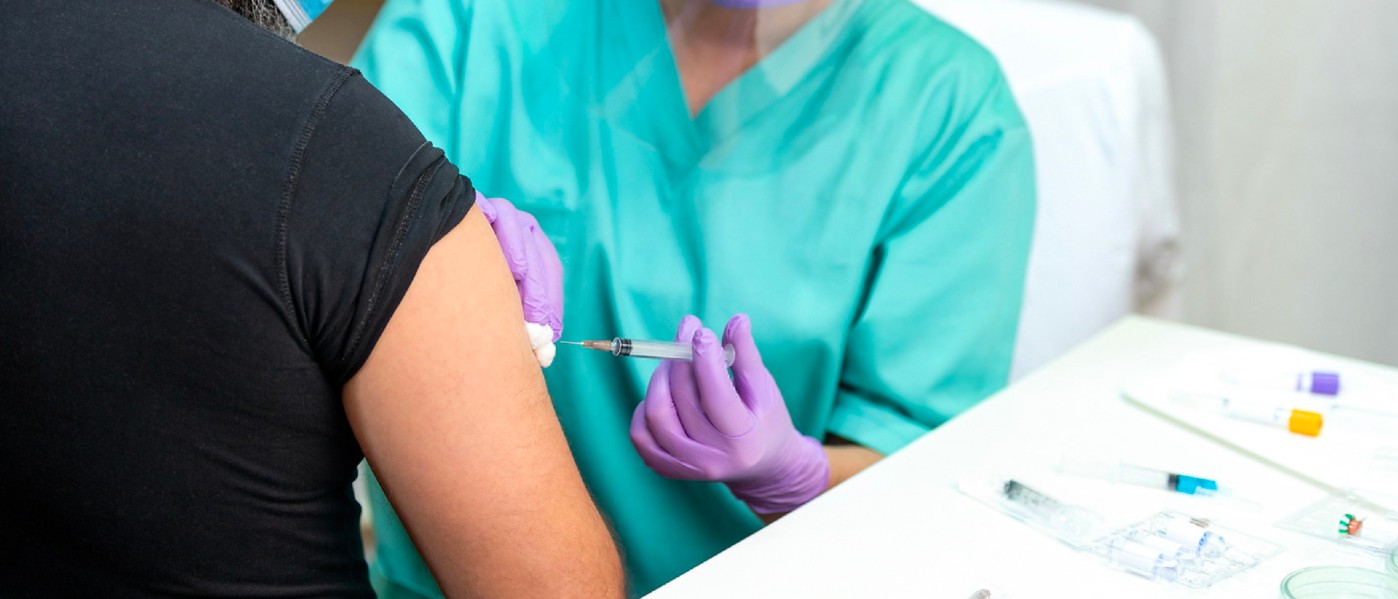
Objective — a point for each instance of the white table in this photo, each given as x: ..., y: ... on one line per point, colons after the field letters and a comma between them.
x: 901, y: 529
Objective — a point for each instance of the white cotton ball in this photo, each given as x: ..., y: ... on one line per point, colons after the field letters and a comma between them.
x: 545, y: 354
x: 539, y: 335
x: 541, y: 340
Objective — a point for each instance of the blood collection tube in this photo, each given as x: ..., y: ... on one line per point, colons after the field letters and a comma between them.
x: 1315, y: 382
x: 1301, y: 422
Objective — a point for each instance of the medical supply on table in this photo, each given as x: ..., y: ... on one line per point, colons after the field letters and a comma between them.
x: 1379, y: 530
x: 1329, y: 582
x: 1327, y: 388
x: 1144, y: 559
x: 1118, y: 472
x: 1177, y: 548
x: 1280, y: 372
x: 1191, y: 534
x: 1315, y: 382
x: 1169, y: 547
x: 1350, y: 520
x: 1068, y: 523
x: 637, y: 348
x: 1301, y: 422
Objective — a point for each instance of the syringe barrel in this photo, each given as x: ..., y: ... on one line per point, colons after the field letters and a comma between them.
x: 1146, y: 477
x: 664, y: 350
x: 1254, y: 411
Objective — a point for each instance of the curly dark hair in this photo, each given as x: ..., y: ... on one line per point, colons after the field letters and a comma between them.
x: 262, y: 13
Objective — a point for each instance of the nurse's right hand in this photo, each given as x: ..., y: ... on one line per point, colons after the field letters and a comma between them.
x: 537, y: 271
x: 698, y: 424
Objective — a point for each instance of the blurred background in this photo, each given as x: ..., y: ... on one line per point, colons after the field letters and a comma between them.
x: 1286, y: 128
x: 1277, y: 192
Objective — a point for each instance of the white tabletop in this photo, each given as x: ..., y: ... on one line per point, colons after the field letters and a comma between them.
x: 901, y: 529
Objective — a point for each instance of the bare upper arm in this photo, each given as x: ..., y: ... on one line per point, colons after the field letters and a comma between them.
x: 453, y: 415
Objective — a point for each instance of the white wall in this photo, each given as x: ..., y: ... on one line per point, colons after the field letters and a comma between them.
x: 1287, y: 159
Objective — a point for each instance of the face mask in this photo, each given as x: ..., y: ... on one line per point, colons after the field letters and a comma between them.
x: 300, y: 13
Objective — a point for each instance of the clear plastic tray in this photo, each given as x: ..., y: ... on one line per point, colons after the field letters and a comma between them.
x: 1169, y: 547
x: 1177, y: 548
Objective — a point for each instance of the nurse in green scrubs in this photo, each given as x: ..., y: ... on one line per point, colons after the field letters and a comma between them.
x: 852, y: 174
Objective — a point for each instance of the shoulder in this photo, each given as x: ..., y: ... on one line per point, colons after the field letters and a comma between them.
x: 916, y: 39
x: 937, y: 62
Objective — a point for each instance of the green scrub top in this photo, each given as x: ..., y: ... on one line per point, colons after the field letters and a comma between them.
x: 866, y: 194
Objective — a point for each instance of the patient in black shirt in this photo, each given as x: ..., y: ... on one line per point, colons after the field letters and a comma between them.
x: 204, y: 233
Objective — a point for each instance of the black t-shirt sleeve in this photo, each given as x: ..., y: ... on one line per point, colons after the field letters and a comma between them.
x: 366, y: 197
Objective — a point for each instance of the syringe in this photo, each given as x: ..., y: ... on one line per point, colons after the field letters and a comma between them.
x: 1138, y: 475
x: 637, y: 348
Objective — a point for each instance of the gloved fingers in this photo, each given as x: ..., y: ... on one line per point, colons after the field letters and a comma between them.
x: 738, y: 333
x: 550, y: 269
x: 534, y: 264
x: 534, y: 289
x: 487, y: 207
x: 683, y: 392
x: 662, y: 419
x: 719, y: 400
x: 510, y: 232
x: 654, y: 456
x: 749, y: 373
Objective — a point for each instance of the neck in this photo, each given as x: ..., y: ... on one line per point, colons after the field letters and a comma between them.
x: 704, y: 22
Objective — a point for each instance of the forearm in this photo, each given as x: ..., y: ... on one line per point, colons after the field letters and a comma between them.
x: 846, y: 460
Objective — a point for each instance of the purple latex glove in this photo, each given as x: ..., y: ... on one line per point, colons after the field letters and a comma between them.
x: 537, y: 271
x: 697, y: 424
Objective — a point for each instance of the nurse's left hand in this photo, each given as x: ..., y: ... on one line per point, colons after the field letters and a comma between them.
x: 697, y: 424
x: 537, y: 271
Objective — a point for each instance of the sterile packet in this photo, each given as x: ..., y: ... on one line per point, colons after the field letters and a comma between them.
x: 1169, y: 547
x: 1350, y: 520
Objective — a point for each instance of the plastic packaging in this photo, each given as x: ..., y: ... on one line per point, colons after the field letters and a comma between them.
x: 1169, y: 547
x: 1191, y: 552
x: 1068, y: 523
x: 1349, y: 520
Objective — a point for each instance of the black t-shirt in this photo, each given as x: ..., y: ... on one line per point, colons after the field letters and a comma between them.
x: 203, y: 231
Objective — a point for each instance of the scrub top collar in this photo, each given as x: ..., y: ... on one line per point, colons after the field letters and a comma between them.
x: 649, y: 96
